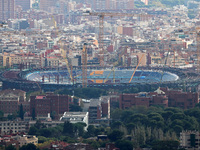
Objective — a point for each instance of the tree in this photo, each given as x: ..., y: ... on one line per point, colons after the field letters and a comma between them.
x: 116, y: 124
x: 115, y: 135
x: 79, y: 128
x: 165, y: 145
x: 2, y: 118
x: 32, y: 131
x: 75, y: 108
x: 10, y: 147
x: 42, y: 139
x: 124, y: 145
x: 130, y: 127
x: 21, y: 112
x: 53, y: 115
x: 68, y: 128
x: 33, y: 113
x: 90, y: 130
x: 45, y: 132
x: 29, y: 146
x: 39, y: 124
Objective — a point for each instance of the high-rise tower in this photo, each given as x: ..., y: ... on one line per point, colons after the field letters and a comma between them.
x: 26, y: 4
x: 46, y: 4
x: 130, y: 4
x: 7, y: 9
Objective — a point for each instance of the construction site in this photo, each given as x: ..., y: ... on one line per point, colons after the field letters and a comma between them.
x: 108, y: 49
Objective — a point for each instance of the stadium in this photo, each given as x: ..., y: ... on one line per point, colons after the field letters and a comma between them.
x: 49, y: 79
x: 101, y: 76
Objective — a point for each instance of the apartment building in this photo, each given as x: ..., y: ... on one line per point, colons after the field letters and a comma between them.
x: 10, y: 100
x: 190, y: 140
x: 27, y: 60
x: 162, y: 96
x: 94, y: 110
x: 7, y: 127
x: 49, y: 103
x: 7, y: 9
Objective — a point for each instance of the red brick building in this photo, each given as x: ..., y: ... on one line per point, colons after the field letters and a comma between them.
x: 129, y: 100
x: 177, y: 98
x: 44, y: 104
x: 163, y: 97
x: 10, y: 100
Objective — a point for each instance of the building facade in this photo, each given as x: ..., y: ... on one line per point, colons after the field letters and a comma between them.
x: 75, y: 117
x: 7, y: 127
x: 94, y: 110
x: 177, y: 98
x: 25, y: 4
x: 10, y: 100
x: 49, y: 103
x: 7, y: 9
x: 162, y: 97
x: 26, y: 139
x: 190, y: 140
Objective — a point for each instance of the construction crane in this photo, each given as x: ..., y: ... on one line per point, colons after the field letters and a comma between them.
x: 113, y: 70
x: 101, y: 16
x: 84, y: 66
x: 198, y: 47
x: 136, y: 68
x: 164, y: 67
x: 62, y: 51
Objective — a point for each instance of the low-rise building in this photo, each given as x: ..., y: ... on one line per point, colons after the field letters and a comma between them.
x: 190, y: 140
x: 26, y: 139
x: 6, y: 141
x: 75, y: 117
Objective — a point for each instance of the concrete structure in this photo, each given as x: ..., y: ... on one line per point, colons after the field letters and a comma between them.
x: 99, y: 76
x: 99, y: 111
x: 48, y: 124
x: 75, y: 117
x: 94, y: 110
x: 7, y: 8
x: 105, y: 105
x: 7, y: 127
x: 26, y: 139
x: 190, y: 140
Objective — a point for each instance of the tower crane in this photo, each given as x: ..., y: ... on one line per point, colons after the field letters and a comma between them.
x: 136, y: 68
x: 62, y: 51
x: 101, y: 16
x: 84, y: 66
